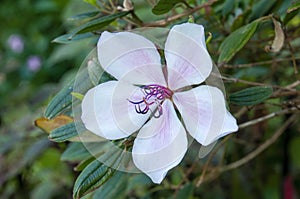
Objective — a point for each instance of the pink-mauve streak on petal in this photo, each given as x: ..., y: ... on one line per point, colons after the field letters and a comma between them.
x: 160, y: 144
x: 108, y: 113
x: 188, y: 61
x: 130, y: 57
x: 204, y: 113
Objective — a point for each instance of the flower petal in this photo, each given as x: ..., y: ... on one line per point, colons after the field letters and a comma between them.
x: 130, y: 57
x: 188, y: 61
x: 160, y: 144
x: 107, y: 112
x: 204, y: 113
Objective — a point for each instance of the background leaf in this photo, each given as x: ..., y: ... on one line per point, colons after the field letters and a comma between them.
x: 69, y: 38
x: 185, y: 192
x: 75, y: 152
x: 251, y: 96
x: 114, y: 188
x: 236, y: 41
x: 291, y: 12
x: 164, y: 6
x: 63, y: 133
x: 95, y: 174
x: 61, y: 102
x: 97, y: 23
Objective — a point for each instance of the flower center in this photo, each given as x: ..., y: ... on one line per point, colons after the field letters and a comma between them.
x: 153, y: 95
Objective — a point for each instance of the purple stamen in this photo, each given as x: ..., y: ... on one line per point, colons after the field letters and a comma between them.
x: 154, y: 94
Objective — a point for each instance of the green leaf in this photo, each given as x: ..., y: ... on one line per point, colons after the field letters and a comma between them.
x: 236, y: 41
x: 251, y: 96
x: 84, y: 16
x: 164, y: 6
x: 84, y: 163
x: 95, y: 174
x: 97, y: 23
x: 292, y: 11
x: 185, y: 192
x: 61, y: 102
x: 95, y: 71
x: 75, y: 151
x: 85, y: 80
x: 77, y: 95
x: 114, y: 188
x: 63, y: 133
x: 294, y: 7
x: 227, y: 7
x: 239, y: 21
x: 92, y: 2
x: 261, y: 8
x: 69, y: 38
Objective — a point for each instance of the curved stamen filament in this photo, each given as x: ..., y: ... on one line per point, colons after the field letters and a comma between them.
x: 153, y: 94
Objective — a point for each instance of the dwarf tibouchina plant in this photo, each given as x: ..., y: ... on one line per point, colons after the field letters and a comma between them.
x: 162, y: 103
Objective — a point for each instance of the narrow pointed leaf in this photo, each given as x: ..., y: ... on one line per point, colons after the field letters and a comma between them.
x: 294, y: 7
x: 236, y: 41
x: 114, y: 188
x: 261, y: 8
x: 251, y: 96
x: 75, y: 151
x: 291, y: 12
x: 78, y: 151
x: 63, y: 133
x: 69, y: 38
x: 84, y: 163
x: 95, y: 174
x: 84, y: 16
x: 61, y: 102
x: 97, y: 23
x: 63, y: 99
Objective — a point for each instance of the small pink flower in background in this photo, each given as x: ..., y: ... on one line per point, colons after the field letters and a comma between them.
x: 160, y: 103
x: 34, y: 63
x: 16, y: 43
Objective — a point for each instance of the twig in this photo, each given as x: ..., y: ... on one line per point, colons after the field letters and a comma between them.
x: 214, y: 173
x: 261, y: 148
x: 293, y: 57
x: 236, y: 80
x: 289, y: 88
x: 263, y: 118
x: 259, y: 63
x: 211, y: 155
x: 241, y: 112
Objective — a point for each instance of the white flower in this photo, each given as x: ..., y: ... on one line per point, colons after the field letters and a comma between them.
x: 146, y: 95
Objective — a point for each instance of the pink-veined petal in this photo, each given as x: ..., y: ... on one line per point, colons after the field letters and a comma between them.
x: 188, y: 61
x: 160, y: 144
x: 107, y: 112
x: 204, y: 113
x: 130, y: 57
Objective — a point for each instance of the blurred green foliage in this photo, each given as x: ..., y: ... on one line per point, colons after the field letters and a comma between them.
x: 33, y: 69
